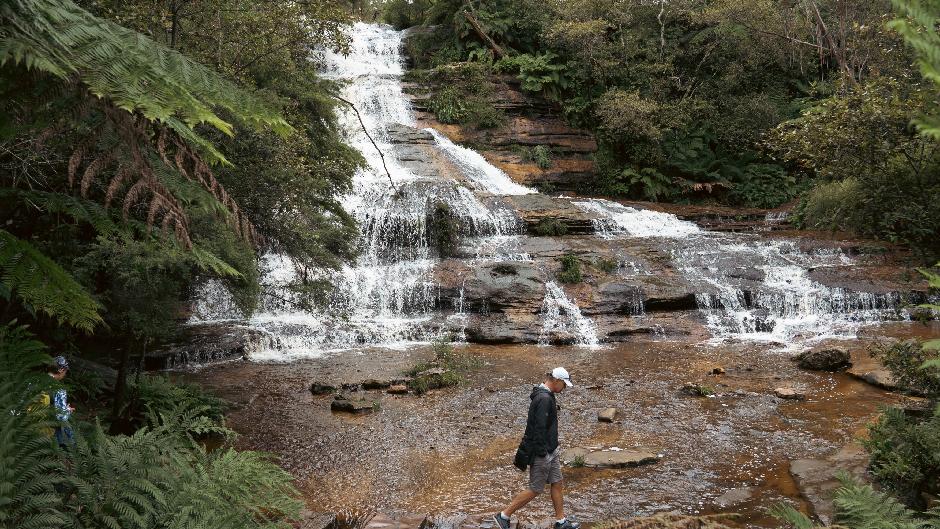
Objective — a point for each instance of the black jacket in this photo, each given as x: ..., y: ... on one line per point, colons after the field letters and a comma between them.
x: 541, y: 429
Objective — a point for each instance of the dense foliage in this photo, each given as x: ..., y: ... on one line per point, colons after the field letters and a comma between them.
x: 903, y: 443
x: 157, y: 477
x: 147, y: 147
x: 747, y: 103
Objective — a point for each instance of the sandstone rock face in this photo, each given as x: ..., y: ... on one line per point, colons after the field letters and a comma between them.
x: 205, y: 343
x: 537, y: 209
x: 530, y: 122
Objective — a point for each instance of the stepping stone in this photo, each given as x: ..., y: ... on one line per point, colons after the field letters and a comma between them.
x: 406, y: 521
x: 619, y: 459
x: 789, y: 394
x: 316, y: 520
x: 607, y: 415
x: 398, y: 389
x: 357, y: 406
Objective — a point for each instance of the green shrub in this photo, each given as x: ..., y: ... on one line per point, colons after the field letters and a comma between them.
x: 903, y: 443
x: 570, y: 269
x: 550, y: 227
x: 904, y: 455
x: 830, y: 206
x: 608, y: 266
x: 452, y: 367
x: 763, y: 186
x: 540, y: 155
x: 404, y: 13
x: 157, y: 477
x: 154, y: 395
x: 578, y: 461
x: 461, y: 94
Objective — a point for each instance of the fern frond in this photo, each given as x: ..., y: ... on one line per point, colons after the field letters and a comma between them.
x: 43, y: 286
x: 787, y: 514
x: 123, y: 66
x: 861, y: 507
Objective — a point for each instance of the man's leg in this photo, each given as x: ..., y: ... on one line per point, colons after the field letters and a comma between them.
x: 558, y: 500
x: 520, y: 501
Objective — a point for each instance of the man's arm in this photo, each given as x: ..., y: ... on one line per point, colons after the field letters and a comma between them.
x: 540, y: 425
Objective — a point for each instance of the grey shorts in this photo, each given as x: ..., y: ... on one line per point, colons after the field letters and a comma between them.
x: 544, y: 470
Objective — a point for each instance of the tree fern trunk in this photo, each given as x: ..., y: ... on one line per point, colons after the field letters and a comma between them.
x: 120, y: 390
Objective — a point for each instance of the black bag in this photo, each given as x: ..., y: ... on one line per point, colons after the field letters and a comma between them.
x: 523, y: 456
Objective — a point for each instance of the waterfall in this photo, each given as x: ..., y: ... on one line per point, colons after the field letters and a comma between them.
x: 781, y: 304
x: 486, y: 176
x: 562, y: 316
x: 388, y: 296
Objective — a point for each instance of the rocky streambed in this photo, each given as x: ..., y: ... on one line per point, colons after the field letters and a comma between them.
x: 740, y: 449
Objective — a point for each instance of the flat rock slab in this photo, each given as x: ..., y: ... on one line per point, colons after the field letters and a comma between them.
x: 789, y: 393
x: 535, y: 208
x: 816, y: 478
x: 316, y: 520
x: 358, y: 406
x: 734, y: 497
x: 407, y: 521
x: 609, y: 458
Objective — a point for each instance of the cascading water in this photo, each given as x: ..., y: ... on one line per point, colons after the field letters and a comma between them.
x: 779, y: 303
x: 561, y: 316
x: 388, y: 296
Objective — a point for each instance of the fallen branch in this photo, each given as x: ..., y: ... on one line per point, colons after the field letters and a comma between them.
x: 363, y: 125
x: 475, y: 23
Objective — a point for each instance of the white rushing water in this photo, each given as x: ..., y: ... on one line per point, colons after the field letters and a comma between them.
x: 388, y: 297
x: 485, y: 175
x: 748, y: 288
x: 617, y: 220
x: 561, y: 316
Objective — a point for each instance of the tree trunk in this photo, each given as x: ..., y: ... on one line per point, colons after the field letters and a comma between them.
x: 120, y: 388
x: 478, y: 29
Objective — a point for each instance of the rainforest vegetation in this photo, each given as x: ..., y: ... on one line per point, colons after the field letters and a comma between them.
x: 147, y: 147
x: 745, y: 103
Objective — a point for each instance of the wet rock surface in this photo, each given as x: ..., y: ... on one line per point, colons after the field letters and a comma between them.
x: 826, y: 358
x: 207, y: 343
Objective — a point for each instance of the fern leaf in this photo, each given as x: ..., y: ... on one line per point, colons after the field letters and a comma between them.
x: 44, y: 286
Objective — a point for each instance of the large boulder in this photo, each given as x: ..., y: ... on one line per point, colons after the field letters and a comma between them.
x: 828, y: 358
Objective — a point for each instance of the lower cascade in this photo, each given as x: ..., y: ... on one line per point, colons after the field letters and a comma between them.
x: 455, y: 248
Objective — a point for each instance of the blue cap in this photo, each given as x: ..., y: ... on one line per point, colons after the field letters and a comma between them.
x: 60, y: 362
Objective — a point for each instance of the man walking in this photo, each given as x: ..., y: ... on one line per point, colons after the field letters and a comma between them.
x: 539, y: 451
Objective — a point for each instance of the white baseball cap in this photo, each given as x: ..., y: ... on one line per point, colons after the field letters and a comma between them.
x: 562, y: 374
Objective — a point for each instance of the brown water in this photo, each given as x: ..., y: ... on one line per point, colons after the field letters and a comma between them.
x: 451, y: 450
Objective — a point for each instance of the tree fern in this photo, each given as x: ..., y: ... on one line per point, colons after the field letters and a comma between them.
x: 42, y: 285
x: 30, y: 466
x: 123, y: 66
x: 919, y: 29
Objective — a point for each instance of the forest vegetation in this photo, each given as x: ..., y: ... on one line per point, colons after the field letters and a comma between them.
x: 752, y: 103
x: 148, y: 147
